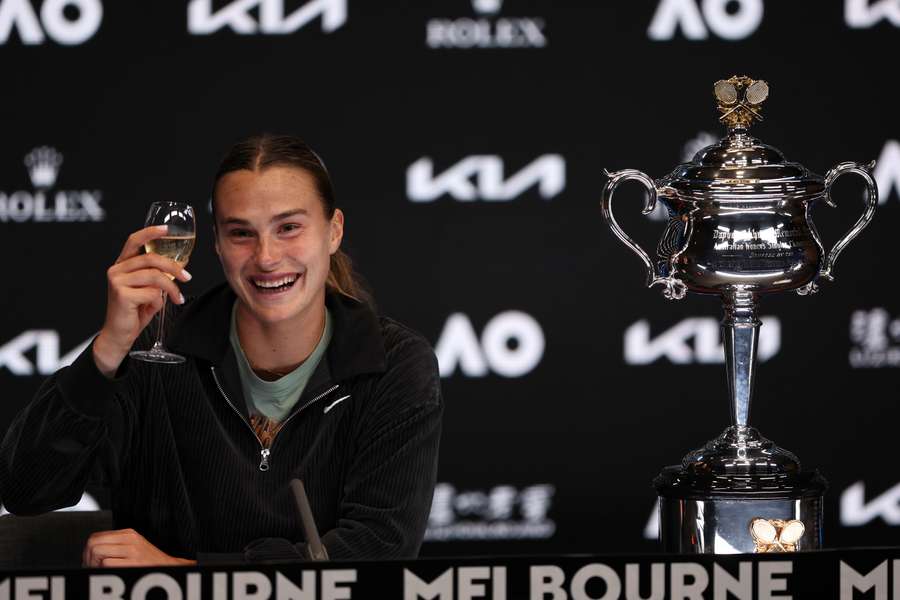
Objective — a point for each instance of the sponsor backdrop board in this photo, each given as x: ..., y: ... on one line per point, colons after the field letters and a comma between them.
x: 467, y: 141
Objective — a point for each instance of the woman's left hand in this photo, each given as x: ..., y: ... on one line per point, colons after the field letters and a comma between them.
x: 126, y: 548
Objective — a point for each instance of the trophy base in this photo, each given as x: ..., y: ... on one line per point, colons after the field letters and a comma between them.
x: 734, y: 514
x: 740, y: 493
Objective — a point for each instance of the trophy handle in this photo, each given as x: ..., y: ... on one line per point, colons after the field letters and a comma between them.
x: 674, y: 288
x: 864, y: 171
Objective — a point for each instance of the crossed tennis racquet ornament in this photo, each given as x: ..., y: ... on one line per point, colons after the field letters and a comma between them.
x: 776, y: 535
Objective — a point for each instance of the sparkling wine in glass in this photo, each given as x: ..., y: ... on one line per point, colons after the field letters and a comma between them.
x: 177, y: 244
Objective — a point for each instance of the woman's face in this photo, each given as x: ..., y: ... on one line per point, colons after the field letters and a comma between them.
x: 275, y: 243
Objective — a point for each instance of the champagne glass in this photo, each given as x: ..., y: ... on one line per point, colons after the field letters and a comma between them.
x: 177, y: 245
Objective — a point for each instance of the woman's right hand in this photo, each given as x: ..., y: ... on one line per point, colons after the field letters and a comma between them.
x: 134, y: 295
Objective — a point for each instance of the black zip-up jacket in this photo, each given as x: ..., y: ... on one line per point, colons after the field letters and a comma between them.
x: 186, y: 470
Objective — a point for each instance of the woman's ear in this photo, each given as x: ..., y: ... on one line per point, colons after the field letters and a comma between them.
x: 337, y: 231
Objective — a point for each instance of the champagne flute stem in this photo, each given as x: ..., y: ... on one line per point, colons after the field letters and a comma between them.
x: 158, y: 345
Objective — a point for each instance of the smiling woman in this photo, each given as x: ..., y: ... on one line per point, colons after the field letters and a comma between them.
x: 259, y: 153
x: 276, y: 239
x: 289, y: 374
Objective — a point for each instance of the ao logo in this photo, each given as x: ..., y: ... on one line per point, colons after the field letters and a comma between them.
x: 482, y: 177
x: 861, y: 14
x: 887, y: 169
x: 20, y: 14
x: 705, y: 332
x: 47, y: 359
x: 458, y: 346
x: 685, y: 14
x: 272, y: 20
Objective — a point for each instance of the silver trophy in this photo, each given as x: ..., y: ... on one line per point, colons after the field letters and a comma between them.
x: 740, y: 227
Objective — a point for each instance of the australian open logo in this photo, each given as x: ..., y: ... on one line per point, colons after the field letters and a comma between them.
x: 66, y: 22
x: 44, y: 202
x: 486, y: 28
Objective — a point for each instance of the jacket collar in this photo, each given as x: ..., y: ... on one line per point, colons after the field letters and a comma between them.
x: 356, y: 347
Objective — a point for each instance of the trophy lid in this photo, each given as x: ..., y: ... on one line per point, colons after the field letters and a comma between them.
x: 740, y: 167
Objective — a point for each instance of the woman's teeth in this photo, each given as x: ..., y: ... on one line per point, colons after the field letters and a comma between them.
x: 276, y: 285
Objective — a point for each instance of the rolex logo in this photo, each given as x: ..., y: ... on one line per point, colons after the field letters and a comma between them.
x: 45, y: 202
x: 488, y: 29
x: 43, y: 166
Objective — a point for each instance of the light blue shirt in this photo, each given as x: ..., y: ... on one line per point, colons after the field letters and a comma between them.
x: 275, y: 399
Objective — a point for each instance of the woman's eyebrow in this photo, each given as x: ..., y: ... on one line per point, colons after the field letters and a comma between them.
x: 280, y: 216
x: 289, y: 214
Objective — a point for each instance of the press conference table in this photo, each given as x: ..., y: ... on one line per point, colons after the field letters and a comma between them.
x: 839, y: 573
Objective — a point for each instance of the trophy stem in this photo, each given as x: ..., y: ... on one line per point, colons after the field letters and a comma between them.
x: 740, y: 328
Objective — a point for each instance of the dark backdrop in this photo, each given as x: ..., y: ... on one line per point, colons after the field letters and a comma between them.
x: 467, y: 141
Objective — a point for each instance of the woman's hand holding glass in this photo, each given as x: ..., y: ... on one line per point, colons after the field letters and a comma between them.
x: 135, y: 287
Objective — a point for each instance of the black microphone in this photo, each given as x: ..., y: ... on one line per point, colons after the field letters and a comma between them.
x: 313, y: 541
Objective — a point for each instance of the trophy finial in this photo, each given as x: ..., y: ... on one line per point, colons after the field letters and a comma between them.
x: 740, y: 100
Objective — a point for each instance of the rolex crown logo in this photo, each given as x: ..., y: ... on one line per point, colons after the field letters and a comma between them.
x: 43, y: 166
x: 776, y: 535
x: 487, y: 7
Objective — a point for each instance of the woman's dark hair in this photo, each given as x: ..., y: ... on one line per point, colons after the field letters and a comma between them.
x: 259, y: 152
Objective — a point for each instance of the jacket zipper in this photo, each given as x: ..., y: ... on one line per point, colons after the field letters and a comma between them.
x: 265, y: 452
